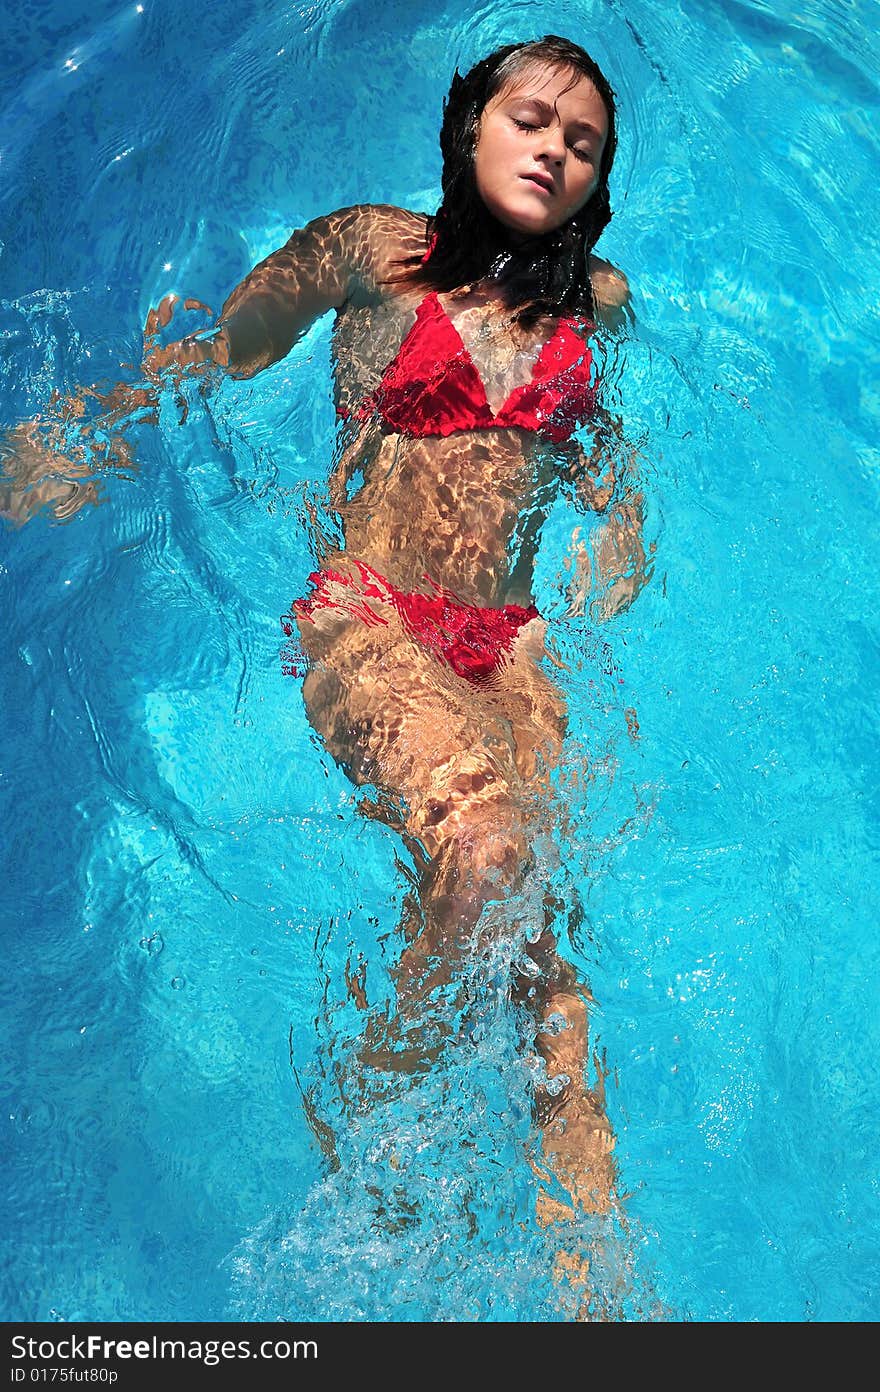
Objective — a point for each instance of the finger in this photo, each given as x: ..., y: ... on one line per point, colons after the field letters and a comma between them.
x: 151, y: 328
x: 166, y: 309
x: 158, y: 318
x: 198, y: 304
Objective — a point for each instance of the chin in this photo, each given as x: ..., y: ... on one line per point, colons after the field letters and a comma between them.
x: 527, y: 222
x: 524, y: 224
x: 523, y: 227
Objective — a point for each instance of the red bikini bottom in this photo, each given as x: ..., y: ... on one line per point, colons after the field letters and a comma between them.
x: 474, y: 642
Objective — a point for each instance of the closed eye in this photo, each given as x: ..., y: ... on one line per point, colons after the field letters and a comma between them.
x: 585, y: 156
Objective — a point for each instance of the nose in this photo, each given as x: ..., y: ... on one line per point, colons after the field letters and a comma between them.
x: 553, y: 143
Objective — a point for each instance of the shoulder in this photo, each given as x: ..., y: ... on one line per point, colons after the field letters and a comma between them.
x: 611, y: 291
x: 382, y: 227
x: 375, y: 237
x: 365, y: 228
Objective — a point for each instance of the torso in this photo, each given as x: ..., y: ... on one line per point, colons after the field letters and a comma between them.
x: 465, y: 510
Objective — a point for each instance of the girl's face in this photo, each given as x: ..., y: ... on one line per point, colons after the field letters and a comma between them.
x: 539, y: 149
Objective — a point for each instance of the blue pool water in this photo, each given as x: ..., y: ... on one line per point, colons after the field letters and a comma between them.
x: 187, y: 881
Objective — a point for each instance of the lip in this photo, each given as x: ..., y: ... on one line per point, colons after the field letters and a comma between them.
x: 543, y: 181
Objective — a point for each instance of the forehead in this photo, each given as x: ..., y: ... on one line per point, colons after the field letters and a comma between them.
x: 565, y: 89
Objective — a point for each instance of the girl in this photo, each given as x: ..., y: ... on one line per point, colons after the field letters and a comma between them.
x: 462, y: 368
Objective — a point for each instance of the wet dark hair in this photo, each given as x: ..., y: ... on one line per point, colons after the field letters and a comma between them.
x: 548, y: 274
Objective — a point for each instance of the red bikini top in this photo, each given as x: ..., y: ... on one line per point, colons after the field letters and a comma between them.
x: 432, y: 386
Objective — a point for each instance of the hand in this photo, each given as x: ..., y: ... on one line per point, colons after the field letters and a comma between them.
x: 582, y: 578
x: 54, y: 459
x: 608, y: 581
x: 33, y: 476
x: 186, y: 351
x: 621, y: 561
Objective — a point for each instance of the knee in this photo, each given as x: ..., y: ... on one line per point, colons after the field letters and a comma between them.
x: 495, y: 851
x: 472, y: 820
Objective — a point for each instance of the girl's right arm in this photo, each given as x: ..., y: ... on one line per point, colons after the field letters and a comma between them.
x: 323, y: 265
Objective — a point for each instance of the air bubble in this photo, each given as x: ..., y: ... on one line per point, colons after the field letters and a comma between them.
x: 558, y: 1084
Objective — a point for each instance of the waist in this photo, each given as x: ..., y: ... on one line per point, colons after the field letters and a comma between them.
x: 478, y: 572
x: 412, y: 427
x: 437, y: 428
x: 475, y: 641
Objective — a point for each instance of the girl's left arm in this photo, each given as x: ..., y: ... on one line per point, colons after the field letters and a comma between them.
x: 610, y: 567
x: 609, y: 563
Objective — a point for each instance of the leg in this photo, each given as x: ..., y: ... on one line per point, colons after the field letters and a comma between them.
x: 446, y: 770
x: 577, y: 1139
x: 464, y: 773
